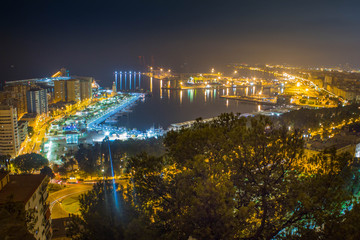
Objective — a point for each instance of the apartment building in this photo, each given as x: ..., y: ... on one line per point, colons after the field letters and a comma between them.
x: 73, y: 90
x: 37, y: 101
x: 60, y: 91
x: 30, y: 191
x: 9, y: 132
x: 15, y: 95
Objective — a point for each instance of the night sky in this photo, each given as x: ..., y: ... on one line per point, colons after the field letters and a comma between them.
x: 94, y: 38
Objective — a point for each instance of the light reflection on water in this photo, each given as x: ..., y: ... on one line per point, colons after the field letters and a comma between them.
x: 165, y: 106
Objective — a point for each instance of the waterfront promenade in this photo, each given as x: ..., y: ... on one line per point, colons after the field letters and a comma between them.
x: 102, y: 116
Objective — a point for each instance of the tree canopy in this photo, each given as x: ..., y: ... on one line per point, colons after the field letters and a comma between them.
x: 15, y: 222
x: 103, y: 217
x: 28, y: 163
x: 318, y: 118
x: 238, y: 178
x: 92, y: 159
x: 47, y: 171
x: 4, y: 160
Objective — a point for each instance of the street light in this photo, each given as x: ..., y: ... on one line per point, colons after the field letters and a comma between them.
x: 212, y: 70
x: 235, y: 72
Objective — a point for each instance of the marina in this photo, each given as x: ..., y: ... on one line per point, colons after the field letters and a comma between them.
x: 145, y: 110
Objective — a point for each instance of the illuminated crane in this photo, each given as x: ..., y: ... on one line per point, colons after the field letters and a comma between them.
x: 62, y: 73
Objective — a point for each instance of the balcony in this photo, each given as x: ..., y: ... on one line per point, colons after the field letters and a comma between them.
x: 48, y: 230
x: 46, y: 207
x: 44, y: 196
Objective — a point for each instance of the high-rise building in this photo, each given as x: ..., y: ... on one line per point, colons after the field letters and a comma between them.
x: 15, y: 95
x: 86, y: 90
x: 73, y: 90
x: 85, y: 87
x: 23, y: 130
x: 9, y: 132
x: 30, y: 192
x: 37, y: 101
x: 60, y: 90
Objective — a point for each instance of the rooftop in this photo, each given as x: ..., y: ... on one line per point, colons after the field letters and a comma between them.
x: 21, y: 187
x: 29, y: 115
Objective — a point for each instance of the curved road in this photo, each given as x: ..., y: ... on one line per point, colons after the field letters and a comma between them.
x: 55, y: 198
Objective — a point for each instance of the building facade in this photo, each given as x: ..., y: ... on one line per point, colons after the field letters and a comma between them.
x: 73, y: 90
x: 60, y: 90
x: 9, y: 132
x: 23, y: 130
x: 37, y: 101
x: 15, y: 95
x: 29, y: 190
x: 85, y: 89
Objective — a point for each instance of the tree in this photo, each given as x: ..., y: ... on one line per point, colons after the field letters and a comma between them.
x: 311, y: 118
x: 15, y: 222
x: 87, y: 159
x: 28, y: 163
x: 56, y: 168
x: 62, y: 171
x: 183, y: 204
x: 241, y: 174
x: 30, y: 131
x: 344, y: 226
x: 102, y: 217
x: 47, y: 171
x: 4, y: 160
x: 68, y: 161
x: 231, y: 178
x: 71, y: 161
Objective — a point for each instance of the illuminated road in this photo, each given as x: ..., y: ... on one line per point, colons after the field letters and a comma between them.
x: 33, y: 145
x: 295, y: 78
x: 334, y: 127
x: 56, y: 198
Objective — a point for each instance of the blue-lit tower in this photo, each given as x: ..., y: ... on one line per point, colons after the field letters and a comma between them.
x: 125, y: 81
x: 130, y: 79
x: 116, y: 81
x: 120, y: 80
x: 139, y: 80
